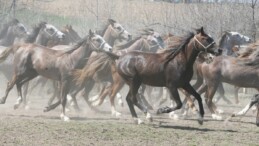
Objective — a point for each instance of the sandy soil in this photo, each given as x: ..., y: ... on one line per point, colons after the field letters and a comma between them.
x: 34, y: 127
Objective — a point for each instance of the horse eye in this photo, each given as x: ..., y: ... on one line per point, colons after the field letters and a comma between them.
x: 119, y: 28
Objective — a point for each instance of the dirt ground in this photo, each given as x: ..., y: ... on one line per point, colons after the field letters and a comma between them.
x: 34, y: 127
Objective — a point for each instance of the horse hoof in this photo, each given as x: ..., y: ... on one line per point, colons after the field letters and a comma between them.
x: 2, y: 101
x: 200, y: 121
x: 16, y: 106
x: 138, y: 121
x: 216, y: 117
x: 94, y: 98
x: 96, y: 103
x: 220, y: 111
x: 116, y: 114
x: 149, y: 118
x: 173, y: 116
x: 46, y: 109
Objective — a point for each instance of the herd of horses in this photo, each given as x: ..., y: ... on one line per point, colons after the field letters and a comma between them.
x: 111, y: 58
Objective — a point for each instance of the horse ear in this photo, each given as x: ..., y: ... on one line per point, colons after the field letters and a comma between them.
x: 91, y: 33
x: 200, y: 30
x: 227, y: 32
x: 111, y: 21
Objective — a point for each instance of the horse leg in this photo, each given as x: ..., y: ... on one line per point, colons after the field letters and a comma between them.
x: 9, y: 87
x: 188, y: 88
x: 116, y: 87
x: 236, y: 94
x: 174, y: 96
x: 63, y: 99
x: 101, y: 96
x: 25, y: 93
x: 142, y: 98
x: 208, y: 98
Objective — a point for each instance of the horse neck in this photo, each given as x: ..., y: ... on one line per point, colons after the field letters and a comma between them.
x: 79, y: 57
x: 8, y: 40
x: 138, y: 45
x: 107, y: 36
x: 226, y: 46
x: 41, y: 40
x: 190, y: 54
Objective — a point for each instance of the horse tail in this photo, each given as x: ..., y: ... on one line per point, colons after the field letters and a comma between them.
x: 113, y: 56
x: 5, y: 54
x: 98, y: 63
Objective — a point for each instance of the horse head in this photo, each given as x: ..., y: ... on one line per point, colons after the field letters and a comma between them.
x: 118, y: 31
x: 237, y: 38
x: 50, y: 32
x: 205, y: 43
x: 97, y: 43
x: 154, y: 39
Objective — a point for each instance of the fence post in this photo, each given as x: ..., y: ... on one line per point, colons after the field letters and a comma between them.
x: 14, y: 7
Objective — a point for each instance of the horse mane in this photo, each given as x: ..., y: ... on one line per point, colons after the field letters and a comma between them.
x: 6, y: 25
x: 128, y: 44
x: 222, y: 39
x: 36, y: 29
x: 76, y: 46
x: 182, y: 44
x: 103, y: 29
x: 250, y: 51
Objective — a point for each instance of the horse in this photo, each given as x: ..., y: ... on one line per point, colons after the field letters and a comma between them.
x: 11, y: 31
x: 172, y: 69
x: 254, y: 101
x: 230, y: 70
x: 41, y: 34
x: 104, y: 68
x: 111, y: 32
x: 32, y: 60
x: 71, y: 37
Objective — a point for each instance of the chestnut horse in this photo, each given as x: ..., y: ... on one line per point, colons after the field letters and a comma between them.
x: 31, y: 60
x: 172, y: 69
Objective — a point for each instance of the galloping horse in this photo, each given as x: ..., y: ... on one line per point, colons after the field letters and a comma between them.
x: 104, y: 68
x: 11, y: 31
x: 32, y: 60
x: 41, y: 34
x: 241, y: 72
x: 172, y: 69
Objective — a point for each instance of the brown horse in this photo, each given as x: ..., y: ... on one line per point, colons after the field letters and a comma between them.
x: 172, y: 69
x: 32, y: 60
x: 104, y: 68
x: 71, y: 37
x: 11, y: 31
x: 241, y: 72
x: 40, y: 34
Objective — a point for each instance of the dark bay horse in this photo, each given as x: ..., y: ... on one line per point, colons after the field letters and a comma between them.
x: 11, y: 31
x: 172, y: 69
x: 104, y: 68
x: 32, y: 60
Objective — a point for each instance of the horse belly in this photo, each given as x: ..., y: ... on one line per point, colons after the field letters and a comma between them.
x: 154, y: 81
x: 243, y: 80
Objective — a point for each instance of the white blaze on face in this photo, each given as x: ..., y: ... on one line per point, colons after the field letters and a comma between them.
x: 105, y: 46
x: 59, y: 34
